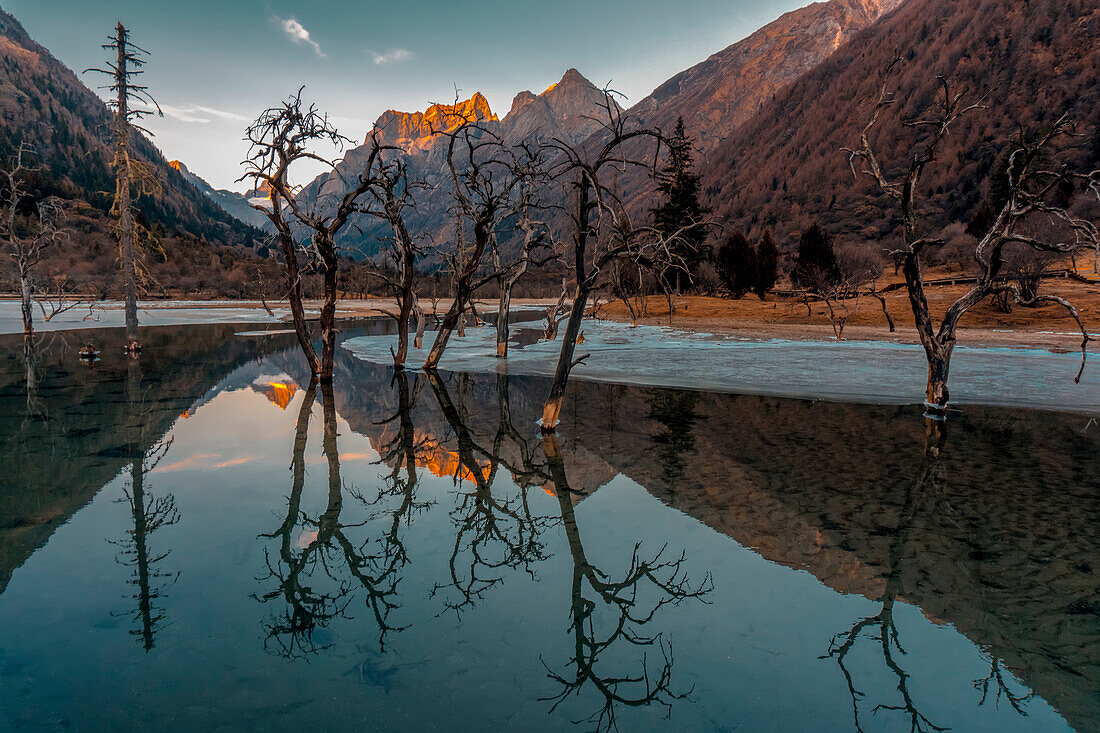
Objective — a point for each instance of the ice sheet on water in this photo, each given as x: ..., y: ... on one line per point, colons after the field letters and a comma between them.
x: 862, y: 371
x: 150, y: 313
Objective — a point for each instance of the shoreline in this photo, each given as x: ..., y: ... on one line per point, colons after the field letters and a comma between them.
x: 701, y: 315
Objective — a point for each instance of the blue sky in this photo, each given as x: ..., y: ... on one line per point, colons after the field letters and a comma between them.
x: 216, y: 64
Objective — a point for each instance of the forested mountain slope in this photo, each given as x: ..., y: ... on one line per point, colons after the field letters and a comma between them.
x: 1030, y: 61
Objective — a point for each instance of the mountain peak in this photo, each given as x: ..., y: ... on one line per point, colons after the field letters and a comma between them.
x: 572, y: 79
x: 416, y: 130
x: 572, y: 76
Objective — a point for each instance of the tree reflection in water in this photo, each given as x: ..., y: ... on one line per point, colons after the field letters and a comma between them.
x: 495, y: 533
x: 148, y: 512
x: 632, y: 603
x: 927, y: 492
x: 373, y: 566
x: 402, y: 452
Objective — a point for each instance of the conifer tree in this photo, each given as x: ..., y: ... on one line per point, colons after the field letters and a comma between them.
x: 767, y: 265
x: 681, y: 210
x: 736, y: 265
x: 816, y: 265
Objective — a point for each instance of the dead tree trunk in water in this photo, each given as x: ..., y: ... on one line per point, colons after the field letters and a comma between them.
x: 418, y: 313
x: 484, y: 182
x: 535, y: 235
x: 128, y: 169
x: 26, y: 248
x: 1030, y: 189
x: 601, y: 232
x: 392, y: 196
x: 280, y: 137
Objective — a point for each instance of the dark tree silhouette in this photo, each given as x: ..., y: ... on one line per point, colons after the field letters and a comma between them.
x: 815, y: 266
x: 675, y: 216
x: 926, y: 492
x: 371, y: 566
x: 600, y: 230
x: 596, y: 598
x: 767, y: 265
x: 282, y: 138
x: 149, y: 513
x: 496, y: 531
x: 491, y: 183
x: 392, y: 196
x: 736, y: 265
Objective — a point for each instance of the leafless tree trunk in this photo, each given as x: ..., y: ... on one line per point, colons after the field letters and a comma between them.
x: 281, y: 137
x: 128, y: 170
x: 839, y: 310
x: 882, y: 302
x: 535, y: 237
x: 391, y: 197
x: 555, y: 313
x: 485, y: 182
x: 26, y: 244
x: 601, y: 231
x: 261, y: 285
x: 1030, y: 188
x: 125, y: 215
x: 418, y: 314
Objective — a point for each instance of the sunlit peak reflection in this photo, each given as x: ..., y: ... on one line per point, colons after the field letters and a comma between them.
x: 279, y: 390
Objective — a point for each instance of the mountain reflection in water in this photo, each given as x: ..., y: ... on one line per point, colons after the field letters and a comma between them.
x: 285, y: 551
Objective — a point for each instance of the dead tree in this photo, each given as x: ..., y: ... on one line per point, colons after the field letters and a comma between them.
x: 486, y: 175
x: 391, y: 197
x: 600, y: 228
x: 556, y: 313
x: 27, y: 230
x: 280, y: 138
x: 132, y: 102
x: 1030, y: 190
x: 536, y: 249
x: 873, y: 289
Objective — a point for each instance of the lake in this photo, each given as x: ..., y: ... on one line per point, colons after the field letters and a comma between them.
x: 201, y: 539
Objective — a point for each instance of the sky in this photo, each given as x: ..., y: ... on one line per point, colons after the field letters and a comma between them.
x: 216, y: 64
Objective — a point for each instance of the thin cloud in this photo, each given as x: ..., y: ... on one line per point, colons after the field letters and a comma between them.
x: 194, y: 113
x: 297, y: 33
x: 391, y: 56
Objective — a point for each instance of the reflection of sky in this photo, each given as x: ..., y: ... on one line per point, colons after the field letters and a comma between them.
x: 247, y: 435
x: 751, y: 656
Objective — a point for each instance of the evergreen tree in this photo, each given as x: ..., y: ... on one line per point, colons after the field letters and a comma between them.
x: 681, y: 207
x: 816, y: 265
x: 736, y: 265
x: 767, y: 265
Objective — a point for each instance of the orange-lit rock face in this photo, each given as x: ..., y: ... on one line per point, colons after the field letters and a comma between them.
x: 175, y: 164
x: 443, y: 463
x: 280, y: 393
x: 438, y: 461
x: 417, y: 130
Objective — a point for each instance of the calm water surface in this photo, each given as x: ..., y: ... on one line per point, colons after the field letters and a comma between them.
x: 203, y: 540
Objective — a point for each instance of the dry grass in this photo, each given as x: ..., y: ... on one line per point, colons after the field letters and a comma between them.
x: 788, y: 317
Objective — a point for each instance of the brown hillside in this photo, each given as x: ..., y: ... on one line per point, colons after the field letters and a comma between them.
x: 1032, y: 61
